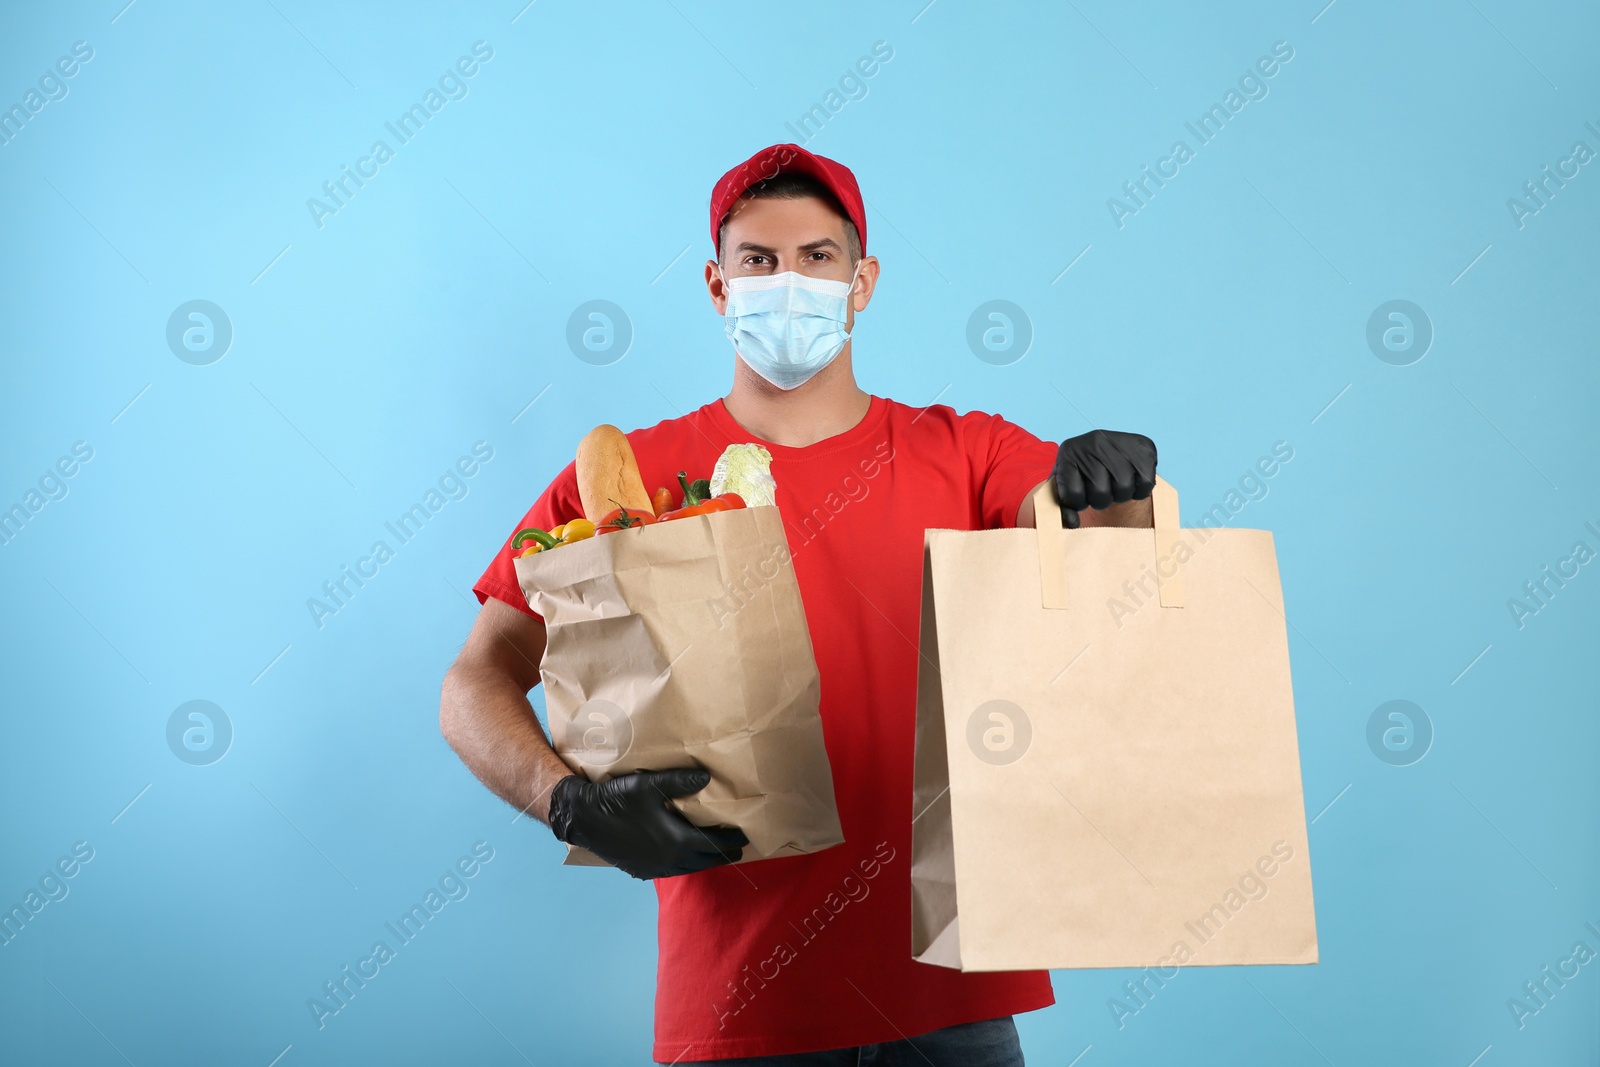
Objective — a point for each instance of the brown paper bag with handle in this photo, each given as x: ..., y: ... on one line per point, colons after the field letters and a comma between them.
x: 1107, y: 773
x: 684, y: 644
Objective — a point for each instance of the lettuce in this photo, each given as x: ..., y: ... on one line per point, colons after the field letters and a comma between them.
x: 746, y: 470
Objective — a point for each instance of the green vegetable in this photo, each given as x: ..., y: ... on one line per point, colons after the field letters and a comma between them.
x: 533, y: 533
x: 695, y: 492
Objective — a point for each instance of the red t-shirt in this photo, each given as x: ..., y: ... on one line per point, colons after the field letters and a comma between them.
x: 813, y: 952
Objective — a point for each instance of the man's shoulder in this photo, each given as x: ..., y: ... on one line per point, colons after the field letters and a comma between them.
x: 939, y: 418
x: 976, y: 432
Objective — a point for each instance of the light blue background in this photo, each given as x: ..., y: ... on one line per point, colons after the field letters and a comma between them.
x: 370, y: 353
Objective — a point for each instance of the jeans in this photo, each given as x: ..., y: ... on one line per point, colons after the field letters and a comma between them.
x: 989, y: 1043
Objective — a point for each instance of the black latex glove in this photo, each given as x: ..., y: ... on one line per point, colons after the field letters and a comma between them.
x: 1101, y: 468
x: 628, y: 823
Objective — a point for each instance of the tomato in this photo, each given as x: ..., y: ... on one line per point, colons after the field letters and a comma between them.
x: 622, y: 519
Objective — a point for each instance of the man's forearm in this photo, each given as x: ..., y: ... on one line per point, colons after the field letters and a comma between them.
x: 492, y: 727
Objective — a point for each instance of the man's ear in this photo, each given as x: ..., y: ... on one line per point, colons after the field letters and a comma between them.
x: 714, y: 287
x: 866, y: 283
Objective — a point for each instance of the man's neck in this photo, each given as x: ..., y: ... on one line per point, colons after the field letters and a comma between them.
x: 826, y: 406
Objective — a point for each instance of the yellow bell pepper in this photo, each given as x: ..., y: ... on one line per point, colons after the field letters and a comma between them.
x: 576, y: 530
x: 538, y: 540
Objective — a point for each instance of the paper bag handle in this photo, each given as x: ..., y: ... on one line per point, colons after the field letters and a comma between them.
x: 1053, y: 536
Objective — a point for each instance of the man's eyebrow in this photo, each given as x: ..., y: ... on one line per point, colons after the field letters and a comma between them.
x: 812, y: 246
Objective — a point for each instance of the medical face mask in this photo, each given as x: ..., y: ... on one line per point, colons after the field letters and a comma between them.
x: 787, y: 327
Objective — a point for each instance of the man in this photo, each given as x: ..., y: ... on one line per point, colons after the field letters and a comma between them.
x: 805, y: 959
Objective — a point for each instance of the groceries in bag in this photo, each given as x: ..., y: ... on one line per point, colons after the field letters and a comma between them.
x: 651, y: 663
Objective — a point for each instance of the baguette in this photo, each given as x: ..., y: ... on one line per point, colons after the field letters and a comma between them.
x: 608, y: 475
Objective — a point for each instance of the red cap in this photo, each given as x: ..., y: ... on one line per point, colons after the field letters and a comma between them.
x: 788, y: 159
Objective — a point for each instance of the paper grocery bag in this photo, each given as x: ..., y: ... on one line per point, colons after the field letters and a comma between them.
x: 1107, y: 773
x: 684, y: 644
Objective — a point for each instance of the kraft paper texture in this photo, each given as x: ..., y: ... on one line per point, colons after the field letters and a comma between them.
x: 1107, y: 774
x: 684, y: 644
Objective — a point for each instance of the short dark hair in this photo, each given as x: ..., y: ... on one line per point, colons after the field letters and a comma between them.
x: 792, y: 186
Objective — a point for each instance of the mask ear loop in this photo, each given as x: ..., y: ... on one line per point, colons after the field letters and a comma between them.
x: 727, y: 293
x: 730, y: 313
x: 850, y: 297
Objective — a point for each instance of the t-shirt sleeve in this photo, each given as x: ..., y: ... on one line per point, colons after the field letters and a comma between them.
x: 558, y: 503
x: 1009, y: 461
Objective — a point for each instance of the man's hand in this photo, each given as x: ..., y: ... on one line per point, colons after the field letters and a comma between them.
x: 628, y: 823
x: 1102, y: 468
